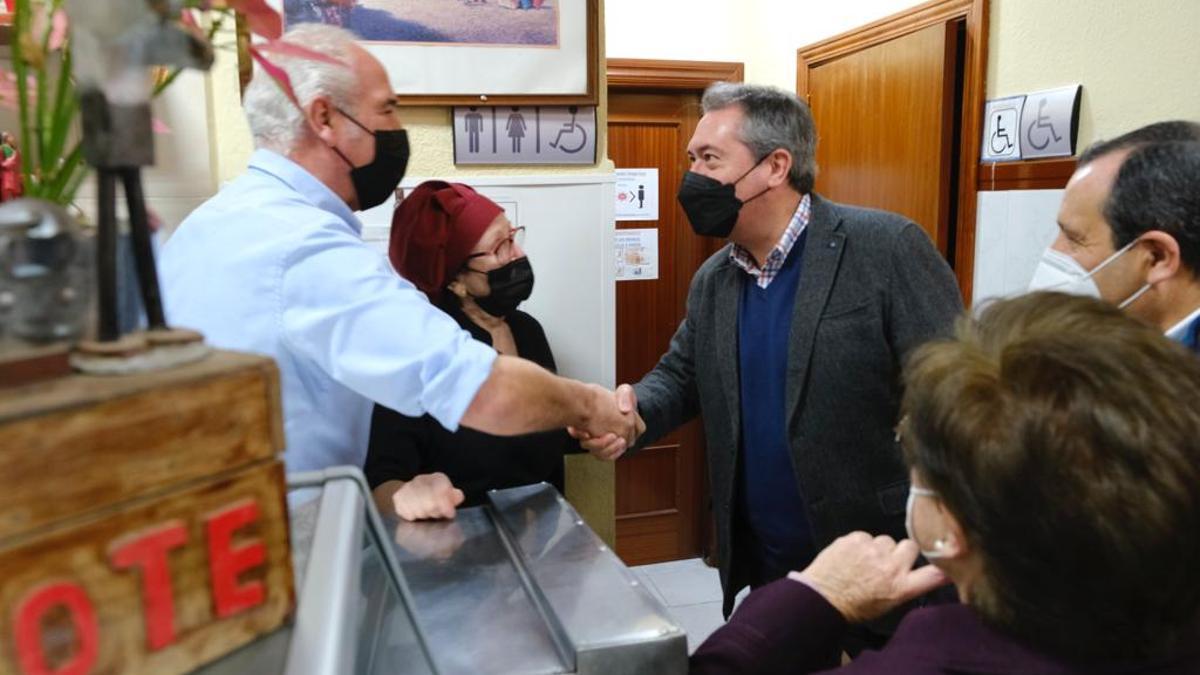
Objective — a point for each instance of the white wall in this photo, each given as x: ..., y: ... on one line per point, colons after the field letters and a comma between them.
x: 680, y: 30
x: 764, y: 35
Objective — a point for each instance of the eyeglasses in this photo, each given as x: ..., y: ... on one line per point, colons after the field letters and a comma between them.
x: 503, y: 248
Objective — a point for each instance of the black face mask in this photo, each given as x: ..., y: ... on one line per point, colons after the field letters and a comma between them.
x: 511, y: 285
x: 377, y: 181
x: 712, y: 206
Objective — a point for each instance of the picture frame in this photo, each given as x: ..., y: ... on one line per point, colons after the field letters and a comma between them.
x: 457, y: 72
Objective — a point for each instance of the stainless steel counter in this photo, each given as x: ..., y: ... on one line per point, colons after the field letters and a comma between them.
x: 520, y: 585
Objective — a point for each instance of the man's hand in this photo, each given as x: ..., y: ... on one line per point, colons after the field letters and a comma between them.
x: 609, y: 445
x: 865, y: 577
x: 427, y: 496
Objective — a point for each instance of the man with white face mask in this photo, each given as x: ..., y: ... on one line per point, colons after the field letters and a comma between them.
x: 1129, y: 228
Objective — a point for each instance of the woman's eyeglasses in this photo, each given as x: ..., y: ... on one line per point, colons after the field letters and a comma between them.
x: 503, y: 248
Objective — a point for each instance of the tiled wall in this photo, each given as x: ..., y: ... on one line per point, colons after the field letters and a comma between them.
x: 1011, y: 231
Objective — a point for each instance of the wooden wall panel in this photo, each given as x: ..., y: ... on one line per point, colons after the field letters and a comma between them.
x: 650, y: 479
x: 1038, y: 174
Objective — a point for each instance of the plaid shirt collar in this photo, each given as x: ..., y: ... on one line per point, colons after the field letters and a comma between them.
x: 775, y: 259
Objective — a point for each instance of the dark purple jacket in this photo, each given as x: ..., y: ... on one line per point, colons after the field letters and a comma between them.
x: 787, y: 627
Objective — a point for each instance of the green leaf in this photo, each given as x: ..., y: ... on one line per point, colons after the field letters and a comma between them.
x: 66, y: 106
x: 20, y: 26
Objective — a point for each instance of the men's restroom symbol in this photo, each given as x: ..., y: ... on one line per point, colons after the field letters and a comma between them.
x: 473, y: 122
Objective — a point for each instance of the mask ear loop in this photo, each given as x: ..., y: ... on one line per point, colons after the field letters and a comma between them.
x: 756, y: 165
x: 356, y: 123
x: 1128, y: 301
x: 1137, y: 294
x: 1107, y: 261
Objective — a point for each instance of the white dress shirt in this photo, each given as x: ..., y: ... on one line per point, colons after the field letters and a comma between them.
x: 275, y: 264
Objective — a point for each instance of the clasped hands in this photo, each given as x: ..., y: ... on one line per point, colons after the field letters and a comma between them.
x: 613, y: 425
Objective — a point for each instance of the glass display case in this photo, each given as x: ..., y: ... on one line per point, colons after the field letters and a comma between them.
x: 518, y: 585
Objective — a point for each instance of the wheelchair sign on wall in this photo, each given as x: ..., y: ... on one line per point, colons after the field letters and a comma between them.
x: 1032, y: 126
x: 524, y: 135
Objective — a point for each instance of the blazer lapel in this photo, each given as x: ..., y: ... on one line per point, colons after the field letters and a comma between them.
x: 727, y: 296
x: 822, y: 255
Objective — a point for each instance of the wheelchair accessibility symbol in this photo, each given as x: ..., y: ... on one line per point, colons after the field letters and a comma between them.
x: 572, y: 130
x: 1002, y: 141
x: 1041, y: 132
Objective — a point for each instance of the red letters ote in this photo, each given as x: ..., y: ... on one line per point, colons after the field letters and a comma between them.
x: 148, y: 552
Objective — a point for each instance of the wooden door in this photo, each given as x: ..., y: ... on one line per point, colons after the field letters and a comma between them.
x: 898, y: 105
x: 886, y: 123
x: 661, y: 505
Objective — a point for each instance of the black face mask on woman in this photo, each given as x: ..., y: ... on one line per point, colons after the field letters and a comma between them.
x: 376, y: 181
x: 712, y: 206
x: 511, y: 285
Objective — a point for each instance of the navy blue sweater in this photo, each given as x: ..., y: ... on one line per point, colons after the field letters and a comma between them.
x: 770, y: 496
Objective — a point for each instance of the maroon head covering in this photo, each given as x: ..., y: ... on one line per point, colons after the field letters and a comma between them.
x: 434, y: 229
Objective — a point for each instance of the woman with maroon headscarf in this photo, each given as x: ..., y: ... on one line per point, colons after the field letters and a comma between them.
x: 459, y: 248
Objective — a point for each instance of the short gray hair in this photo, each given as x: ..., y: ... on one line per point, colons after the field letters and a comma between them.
x: 275, y: 122
x: 775, y: 119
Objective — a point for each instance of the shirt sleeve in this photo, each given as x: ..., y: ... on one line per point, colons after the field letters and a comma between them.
x: 343, y: 308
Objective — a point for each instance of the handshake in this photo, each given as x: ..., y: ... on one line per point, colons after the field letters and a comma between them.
x: 612, y: 425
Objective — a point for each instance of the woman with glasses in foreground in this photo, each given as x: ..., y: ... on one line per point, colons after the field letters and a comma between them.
x: 1054, y: 450
x: 459, y: 248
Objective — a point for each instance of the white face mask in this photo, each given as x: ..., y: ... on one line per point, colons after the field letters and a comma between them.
x: 1059, y: 272
x: 913, y: 493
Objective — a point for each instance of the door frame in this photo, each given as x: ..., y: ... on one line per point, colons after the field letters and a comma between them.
x: 647, y: 76
x: 975, y: 14
x: 672, y: 75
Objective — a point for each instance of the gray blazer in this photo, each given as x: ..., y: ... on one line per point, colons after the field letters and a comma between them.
x: 872, y: 287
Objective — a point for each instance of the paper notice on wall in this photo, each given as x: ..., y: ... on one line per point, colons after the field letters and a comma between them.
x: 637, y: 194
x: 637, y: 254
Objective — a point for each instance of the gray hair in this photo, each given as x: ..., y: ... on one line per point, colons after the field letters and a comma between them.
x: 275, y: 121
x: 775, y: 119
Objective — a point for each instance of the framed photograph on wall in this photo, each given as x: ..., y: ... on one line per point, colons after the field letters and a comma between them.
x: 460, y: 52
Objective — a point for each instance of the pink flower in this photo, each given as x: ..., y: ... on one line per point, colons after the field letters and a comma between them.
x: 58, y: 30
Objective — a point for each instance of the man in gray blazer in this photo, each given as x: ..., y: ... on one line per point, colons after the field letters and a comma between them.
x: 793, y: 342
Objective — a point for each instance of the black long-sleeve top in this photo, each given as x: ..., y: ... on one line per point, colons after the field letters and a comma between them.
x: 403, y: 447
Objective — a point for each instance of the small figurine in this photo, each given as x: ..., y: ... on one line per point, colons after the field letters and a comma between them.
x: 115, y: 43
x: 12, y: 185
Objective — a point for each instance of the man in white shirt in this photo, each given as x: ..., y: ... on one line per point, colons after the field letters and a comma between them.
x: 275, y: 264
x: 1129, y: 228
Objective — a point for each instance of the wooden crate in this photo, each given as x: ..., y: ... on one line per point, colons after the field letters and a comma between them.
x: 143, y: 519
